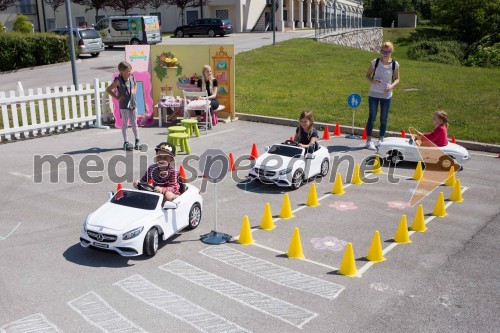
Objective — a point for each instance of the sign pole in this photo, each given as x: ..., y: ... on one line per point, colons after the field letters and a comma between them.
x: 354, y: 100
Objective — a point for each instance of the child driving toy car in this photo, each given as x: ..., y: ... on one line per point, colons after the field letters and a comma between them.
x: 306, y: 135
x: 165, y: 179
x: 439, y: 136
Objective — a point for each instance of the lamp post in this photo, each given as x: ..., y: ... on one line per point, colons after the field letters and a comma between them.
x: 71, y: 43
x: 274, y: 21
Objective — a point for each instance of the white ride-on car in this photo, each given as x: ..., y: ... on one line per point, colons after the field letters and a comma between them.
x: 289, y: 165
x: 396, y: 150
x: 132, y: 221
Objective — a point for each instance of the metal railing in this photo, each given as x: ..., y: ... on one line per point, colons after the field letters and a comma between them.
x: 345, y: 22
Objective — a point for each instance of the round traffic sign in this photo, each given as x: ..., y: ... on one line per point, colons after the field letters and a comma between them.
x: 354, y: 100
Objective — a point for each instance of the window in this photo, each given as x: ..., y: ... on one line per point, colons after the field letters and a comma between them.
x: 89, y: 34
x: 222, y: 13
x: 51, y: 24
x: 102, y: 24
x: 80, y: 21
x: 157, y: 15
x: 191, y: 15
x: 26, y: 7
x: 120, y: 24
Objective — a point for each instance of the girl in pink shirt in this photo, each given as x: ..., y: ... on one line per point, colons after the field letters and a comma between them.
x: 439, y: 136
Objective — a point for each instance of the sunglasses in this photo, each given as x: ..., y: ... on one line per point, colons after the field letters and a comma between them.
x: 385, y: 52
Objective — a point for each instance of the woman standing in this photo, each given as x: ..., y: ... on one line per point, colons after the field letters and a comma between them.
x: 209, y: 84
x: 383, y: 74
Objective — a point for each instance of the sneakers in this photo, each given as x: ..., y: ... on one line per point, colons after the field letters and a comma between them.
x: 370, y: 145
x: 379, y: 142
x: 127, y: 146
x: 138, y: 144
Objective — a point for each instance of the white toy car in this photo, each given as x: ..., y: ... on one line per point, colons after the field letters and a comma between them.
x: 288, y: 165
x: 132, y: 221
x: 396, y: 150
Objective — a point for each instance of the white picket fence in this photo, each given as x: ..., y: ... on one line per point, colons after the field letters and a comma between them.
x: 56, y: 109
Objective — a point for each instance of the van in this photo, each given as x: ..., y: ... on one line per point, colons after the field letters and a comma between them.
x: 133, y: 30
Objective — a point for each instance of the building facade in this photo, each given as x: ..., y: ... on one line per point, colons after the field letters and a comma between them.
x: 246, y: 15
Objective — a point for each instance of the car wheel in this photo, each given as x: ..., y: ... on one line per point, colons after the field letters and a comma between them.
x: 180, y: 34
x: 151, y: 242
x: 194, y: 216
x: 95, y: 54
x: 445, y: 162
x: 325, y: 167
x: 396, y: 157
x: 211, y: 33
x: 297, y: 179
x: 135, y: 41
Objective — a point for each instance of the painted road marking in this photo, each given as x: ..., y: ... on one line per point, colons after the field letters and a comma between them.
x: 391, y: 246
x: 10, y: 233
x: 22, y: 175
x: 31, y: 324
x: 176, y: 306
x: 96, y: 311
x: 289, y: 313
x: 274, y: 273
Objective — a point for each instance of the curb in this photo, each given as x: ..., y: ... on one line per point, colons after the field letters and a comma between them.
x: 470, y: 145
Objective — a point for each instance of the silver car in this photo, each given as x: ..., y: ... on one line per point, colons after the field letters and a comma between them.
x: 87, y: 40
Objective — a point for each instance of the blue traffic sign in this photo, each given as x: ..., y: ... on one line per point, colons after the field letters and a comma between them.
x: 354, y: 100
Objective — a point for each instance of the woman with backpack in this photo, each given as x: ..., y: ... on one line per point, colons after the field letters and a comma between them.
x: 383, y: 75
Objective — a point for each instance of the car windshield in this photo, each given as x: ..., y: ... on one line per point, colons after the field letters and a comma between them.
x: 226, y: 22
x: 282, y: 150
x: 140, y: 200
x: 89, y: 34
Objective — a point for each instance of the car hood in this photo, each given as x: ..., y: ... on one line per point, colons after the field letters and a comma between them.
x: 453, y: 149
x: 119, y: 218
x: 274, y: 162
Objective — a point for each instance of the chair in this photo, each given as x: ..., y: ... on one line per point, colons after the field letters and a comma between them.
x: 191, y: 126
x: 203, y: 105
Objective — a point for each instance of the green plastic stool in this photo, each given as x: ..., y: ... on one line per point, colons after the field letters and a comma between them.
x: 191, y: 126
x: 180, y: 140
x: 176, y: 129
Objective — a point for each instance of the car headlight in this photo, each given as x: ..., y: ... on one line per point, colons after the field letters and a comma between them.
x: 284, y: 172
x: 132, y: 233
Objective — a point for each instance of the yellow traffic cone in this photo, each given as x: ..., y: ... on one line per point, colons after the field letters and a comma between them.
x: 439, y: 208
x: 295, y: 248
x: 246, y: 237
x: 418, y: 174
x: 267, y: 222
x: 348, y: 265
x: 456, y: 194
x: 286, y: 208
x: 377, y: 167
x: 312, y: 199
x: 418, y: 223
x: 338, y: 188
x: 375, y: 251
x: 450, y: 180
x: 402, y: 235
x: 356, y: 178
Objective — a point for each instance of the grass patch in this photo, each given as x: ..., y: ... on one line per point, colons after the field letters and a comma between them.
x: 304, y: 74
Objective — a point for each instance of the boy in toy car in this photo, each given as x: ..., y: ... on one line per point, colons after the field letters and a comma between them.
x: 164, y: 177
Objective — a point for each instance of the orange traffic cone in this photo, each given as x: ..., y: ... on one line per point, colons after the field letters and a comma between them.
x: 182, y: 174
x: 453, y: 140
x: 254, y: 154
x: 291, y: 138
x: 403, y: 134
x: 150, y: 181
x: 337, y: 130
x: 364, y: 135
x: 118, y: 187
x: 326, y: 134
x: 231, y: 162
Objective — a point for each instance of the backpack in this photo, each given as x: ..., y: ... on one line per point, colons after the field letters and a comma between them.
x: 393, y: 67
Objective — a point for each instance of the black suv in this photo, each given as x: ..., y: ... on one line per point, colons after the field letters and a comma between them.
x: 206, y: 26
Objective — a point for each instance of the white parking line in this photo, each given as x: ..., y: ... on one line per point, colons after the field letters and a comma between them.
x: 11, y: 232
x: 176, y: 306
x: 19, y: 174
x: 287, y: 312
x: 31, y: 324
x: 274, y: 273
x: 96, y: 311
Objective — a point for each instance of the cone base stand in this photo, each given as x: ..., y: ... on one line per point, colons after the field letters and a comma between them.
x: 375, y: 261
x: 296, y: 257
x: 352, y: 136
x: 215, y: 238
x: 287, y: 218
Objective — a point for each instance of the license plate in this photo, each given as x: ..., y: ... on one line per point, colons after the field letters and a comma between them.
x: 103, y: 246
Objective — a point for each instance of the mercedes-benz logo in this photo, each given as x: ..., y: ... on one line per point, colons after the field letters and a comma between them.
x: 100, y: 237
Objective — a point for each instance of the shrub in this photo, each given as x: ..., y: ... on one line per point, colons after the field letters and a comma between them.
x: 1, y: 27
x: 23, y: 24
x: 19, y: 50
x: 446, y: 52
x: 486, y: 53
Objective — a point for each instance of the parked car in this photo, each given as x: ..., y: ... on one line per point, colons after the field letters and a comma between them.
x: 206, y: 26
x: 88, y: 40
x: 125, y: 30
x: 132, y: 221
x: 289, y: 165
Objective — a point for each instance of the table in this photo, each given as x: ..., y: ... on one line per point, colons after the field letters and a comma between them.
x: 175, y: 104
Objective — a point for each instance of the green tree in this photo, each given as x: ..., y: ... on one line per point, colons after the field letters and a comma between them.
x: 469, y: 20
x: 23, y: 24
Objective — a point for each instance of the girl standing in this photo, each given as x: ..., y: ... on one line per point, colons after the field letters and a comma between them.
x: 383, y: 74
x: 123, y: 89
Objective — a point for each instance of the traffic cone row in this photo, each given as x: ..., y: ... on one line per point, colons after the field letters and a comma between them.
x: 326, y: 134
x: 418, y: 174
x: 356, y: 177
x: 337, y: 130
x: 377, y: 167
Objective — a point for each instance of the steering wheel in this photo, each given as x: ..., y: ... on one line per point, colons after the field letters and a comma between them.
x: 145, y: 187
x: 291, y: 143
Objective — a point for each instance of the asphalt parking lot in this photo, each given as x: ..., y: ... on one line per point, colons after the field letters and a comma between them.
x: 445, y: 281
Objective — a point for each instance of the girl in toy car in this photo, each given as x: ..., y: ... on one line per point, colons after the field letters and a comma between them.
x: 306, y: 135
